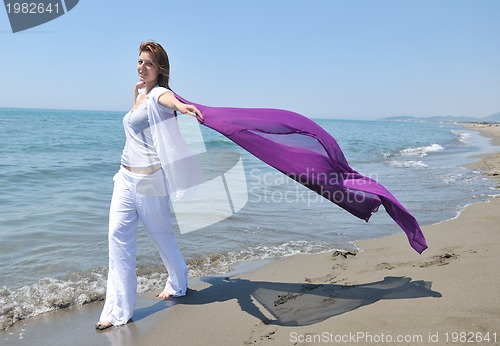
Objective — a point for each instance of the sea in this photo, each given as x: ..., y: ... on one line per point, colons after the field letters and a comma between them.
x: 56, y: 170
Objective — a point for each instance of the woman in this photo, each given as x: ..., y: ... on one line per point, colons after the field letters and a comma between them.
x: 142, y: 187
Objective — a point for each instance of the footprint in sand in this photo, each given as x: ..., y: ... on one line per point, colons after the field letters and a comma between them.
x: 439, y: 260
x: 384, y: 266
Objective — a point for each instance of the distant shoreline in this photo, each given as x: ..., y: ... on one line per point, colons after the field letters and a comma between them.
x: 489, y: 165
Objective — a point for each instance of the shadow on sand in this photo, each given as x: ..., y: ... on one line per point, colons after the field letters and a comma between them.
x: 296, y: 304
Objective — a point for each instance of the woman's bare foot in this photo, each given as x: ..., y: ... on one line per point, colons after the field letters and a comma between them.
x: 101, y: 325
x: 164, y: 295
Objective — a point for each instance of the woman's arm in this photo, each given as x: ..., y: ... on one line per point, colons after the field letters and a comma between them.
x: 168, y: 100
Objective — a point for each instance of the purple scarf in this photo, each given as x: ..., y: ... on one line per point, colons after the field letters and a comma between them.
x: 304, y: 151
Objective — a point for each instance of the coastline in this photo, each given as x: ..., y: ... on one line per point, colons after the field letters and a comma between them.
x: 385, y: 290
x: 489, y: 164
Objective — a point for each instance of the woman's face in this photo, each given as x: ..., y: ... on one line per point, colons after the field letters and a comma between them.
x: 148, y: 72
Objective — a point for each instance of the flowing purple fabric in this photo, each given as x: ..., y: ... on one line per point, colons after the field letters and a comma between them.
x: 304, y: 151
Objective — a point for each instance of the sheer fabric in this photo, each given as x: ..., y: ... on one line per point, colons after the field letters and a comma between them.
x: 177, y: 161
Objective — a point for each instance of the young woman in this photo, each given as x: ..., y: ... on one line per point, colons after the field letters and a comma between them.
x: 141, y: 187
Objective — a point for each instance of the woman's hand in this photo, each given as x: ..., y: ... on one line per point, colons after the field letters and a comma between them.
x: 189, y: 109
x: 138, y: 85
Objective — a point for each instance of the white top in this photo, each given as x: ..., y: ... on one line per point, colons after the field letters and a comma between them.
x: 139, y: 150
x: 157, y: 139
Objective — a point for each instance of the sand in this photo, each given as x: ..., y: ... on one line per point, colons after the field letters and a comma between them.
x: 385, y: 294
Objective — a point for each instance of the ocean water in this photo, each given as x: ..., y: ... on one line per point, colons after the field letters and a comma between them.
x: 56, y: 170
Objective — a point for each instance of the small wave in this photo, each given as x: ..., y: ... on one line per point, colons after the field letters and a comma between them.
x: 48, y: 295
x: 460, y: 178
x: 461, y: 137
x: 420, y: 151
x: 220, y: 263
x: 451, y: 179
x: 408, y: 164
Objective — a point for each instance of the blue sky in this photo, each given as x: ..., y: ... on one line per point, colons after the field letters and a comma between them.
x: 321, y: 58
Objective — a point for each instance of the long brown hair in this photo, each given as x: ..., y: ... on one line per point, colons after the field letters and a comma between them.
x: 160, y: 59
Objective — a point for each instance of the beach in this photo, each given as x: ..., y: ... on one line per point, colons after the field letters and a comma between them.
x: 384, y: 294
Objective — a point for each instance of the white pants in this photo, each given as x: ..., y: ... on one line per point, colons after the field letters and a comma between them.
x: 139, y: 197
